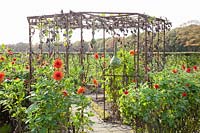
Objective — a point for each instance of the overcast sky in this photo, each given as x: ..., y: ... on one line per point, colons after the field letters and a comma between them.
x: 13, y: 13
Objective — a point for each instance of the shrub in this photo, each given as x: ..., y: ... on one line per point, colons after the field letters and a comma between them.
x: 171, y: 102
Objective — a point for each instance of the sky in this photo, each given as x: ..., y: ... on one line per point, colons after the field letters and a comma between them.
x: 13, y: 13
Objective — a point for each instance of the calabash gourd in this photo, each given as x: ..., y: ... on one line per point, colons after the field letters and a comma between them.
x: 115, y: 61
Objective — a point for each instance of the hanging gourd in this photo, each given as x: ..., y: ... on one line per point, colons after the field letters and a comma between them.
x: 115, y: 61
x: 93, y: 41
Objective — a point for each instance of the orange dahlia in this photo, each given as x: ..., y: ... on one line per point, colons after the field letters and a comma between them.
x: 95, y: 82
x: 132, y: 52
x: 2, y: 58
x: 81, y: 90
x: 174, y: 70
x: 2, y: 75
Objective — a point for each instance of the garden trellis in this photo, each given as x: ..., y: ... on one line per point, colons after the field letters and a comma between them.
x: 148, y: 38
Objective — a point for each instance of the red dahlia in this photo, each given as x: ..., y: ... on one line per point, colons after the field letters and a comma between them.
x: 27, y: 67
x: 195, y: 68
x: 58, y: 63
x: 187, y: 85
x: 134, y: 80
x: 58, y: 75
x: 10, y: 52
x: 96, y: 56
x: 183, y: 67
x: 184, y: 94
x: 126, y: 92
x: 188, y: 70
x: 156, y: 86
x: 64, y: 92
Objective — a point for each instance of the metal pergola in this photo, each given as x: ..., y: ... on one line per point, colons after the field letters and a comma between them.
x: 112, y: 23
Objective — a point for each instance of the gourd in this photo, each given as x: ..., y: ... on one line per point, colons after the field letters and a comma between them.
x: 93, y: 41
x: 115, y: 61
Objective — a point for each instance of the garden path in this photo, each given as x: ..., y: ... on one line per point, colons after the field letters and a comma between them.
x: 104, y: 127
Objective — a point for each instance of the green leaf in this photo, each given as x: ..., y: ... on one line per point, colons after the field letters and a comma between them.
x: 31, y: 108
x: 70, y: 32
x: 5, y: 129
x: 65, y: 44
x: 3, y: 46
x: 43, y: 130
x: 1, y: 92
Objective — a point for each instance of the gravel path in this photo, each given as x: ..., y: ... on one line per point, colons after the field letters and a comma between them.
x: 100, y: 126
x: 105, y: 127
